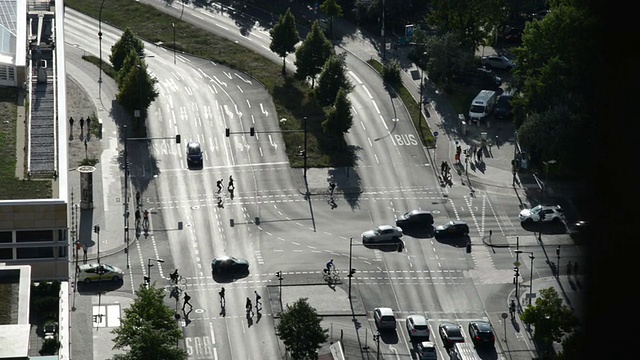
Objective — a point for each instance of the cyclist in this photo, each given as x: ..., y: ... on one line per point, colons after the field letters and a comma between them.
x: 219, y: 185
x: 137, y: 216
x: 174, y: 276
x: 330, y: 265
x: 145, y: 222
x: 332, y: 187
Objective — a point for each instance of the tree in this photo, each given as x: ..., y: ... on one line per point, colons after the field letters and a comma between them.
x: 299, y: 328
x: 332, y: 78
x: 148, y: 329
x: 339, y: 118
x: 550, y: 317
x: 136, y: 87
x: 442, y: 56
x: 284, y: 36
x: 312, y: 54
x: 332, y: 9
x: 123, y: 47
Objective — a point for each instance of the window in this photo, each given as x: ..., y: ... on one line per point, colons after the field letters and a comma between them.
x: 6, y: 237
x: 6, y: 254
x: 34, y: 235
x: 35, y: 252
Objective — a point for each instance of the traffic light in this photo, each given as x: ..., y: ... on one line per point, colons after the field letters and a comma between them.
x: 558, y: 250
x: 353, y: 271
x: 177, y: 138
x: 227, y: 132
x: 147, y: 280
x: 252, y: 131
x: 279, y: 274
x: 96, y: 229
x: 458, y: 150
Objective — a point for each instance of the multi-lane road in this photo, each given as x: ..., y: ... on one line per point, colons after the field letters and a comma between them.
x: 271, y: 222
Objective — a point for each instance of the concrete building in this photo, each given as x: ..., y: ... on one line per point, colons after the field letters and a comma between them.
x: 34, y: 227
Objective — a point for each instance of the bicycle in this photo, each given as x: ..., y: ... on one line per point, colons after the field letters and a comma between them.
x: 145, y: 221
x: 331, y: 276
x: 179, y: 281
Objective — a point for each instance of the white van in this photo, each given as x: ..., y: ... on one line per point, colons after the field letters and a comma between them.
x: 482, y: 105
x: 464, y: 351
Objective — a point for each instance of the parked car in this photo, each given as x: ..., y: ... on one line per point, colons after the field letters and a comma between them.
x: 481, y: 333
x: 421, y: 218
x: 542, y: 213
x: 426, y: 350
x: 194, y: 153
x: 229, y: 266
x: 382, y: 234
x: 503, y: 107
x: 450, y: 334
x: 452, y: 228
x: 497, y: 62
x: 417, y: 327
x: 384, y: 318
x: 512, y: 35
x: 579, y: 231
x: 91, y: 272
x: 481, y: 77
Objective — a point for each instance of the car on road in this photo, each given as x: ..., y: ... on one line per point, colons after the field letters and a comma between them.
x: 481, y: 333
x: 542, y: 213
x: 481, y: 77
x: 452, y: 228
x: 579, y: 231
x: 415, y: 218
x: 382, y: 234
x: 426, y: 350
x: 503, y: 107
x: 450, y: 334
x: 229, y: 266
x: 194, y: 153
x: 417, y: 327
x: 91, y: 272
x: 384, y: 318
x: 497, y: 62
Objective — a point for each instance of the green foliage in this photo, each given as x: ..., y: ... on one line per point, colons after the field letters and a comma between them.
x: 45, y: 299
x: 391, y: 72
x: 137, y: 89
x: 442, y: 56
x: 332, y: 78
x: 550, y: 317
x: 284, y: 36
x: 148, y: 329
x: 299, y: 328
x: 332, y: 9
x: 312, y: 54
x: 50, y: 346
x: 472, y: 21
x: 339, y: 118
x: 121, y: 49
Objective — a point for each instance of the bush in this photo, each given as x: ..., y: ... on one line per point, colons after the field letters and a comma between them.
x: 50, y: 346
x: 391, y: 72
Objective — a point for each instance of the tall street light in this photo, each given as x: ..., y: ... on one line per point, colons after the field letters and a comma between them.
x: 530, y: 274
x: 100, y: 40
x: 421, y: 101
x: 546, y: 178
x: 149, y: 265
x: 174, y: 42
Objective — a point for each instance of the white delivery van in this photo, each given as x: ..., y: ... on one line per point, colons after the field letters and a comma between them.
x: 464, y: 351
x: 482, y: 105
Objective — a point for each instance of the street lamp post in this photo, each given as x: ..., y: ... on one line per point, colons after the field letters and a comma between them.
x: 100, y: 41
x: 96, y: 229
x: 420, y: 101
x: 546, y: 179
x: 149, y: 265
x: 531, y: 278
x: 174, y: 42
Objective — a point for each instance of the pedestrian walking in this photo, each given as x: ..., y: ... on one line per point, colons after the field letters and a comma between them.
x: 231, y: 187
x: 137, y: 198
x: 569, y: 267
x: 88, y: 123
x: 81, y: 124
x: 575, y: 268
x: 512, y: 308
x: 443, y: 167
x: 479, y: 155
x: 71, y: 122
x: 186, y: 301
x: 222, y: 300
x: 84, y: 251
x: 258, y: 297
x: 249, y: 307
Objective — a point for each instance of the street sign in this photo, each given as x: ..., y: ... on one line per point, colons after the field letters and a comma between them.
x: 516, y: 263
x: 435, y: 134
x: 505, y: 315
x: 531, y: 296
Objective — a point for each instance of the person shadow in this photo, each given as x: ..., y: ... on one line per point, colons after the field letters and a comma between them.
x: 223, y: 310
x: 258, y: 314
x: 249, y: 318
x: 185, y: 314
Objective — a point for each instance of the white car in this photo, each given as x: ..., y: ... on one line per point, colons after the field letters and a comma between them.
x: 426, y: 350
x: 417, y: 327
x: 382, y: 234
x: 542, y: 213
x: 99, y: 272
x: 384, y: 318
x: 497, y: 62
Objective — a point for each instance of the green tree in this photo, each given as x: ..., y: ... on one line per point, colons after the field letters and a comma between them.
x: 121, y: 49
x: 312, y: 54
x: 299, y: 328
x: 339, y: 118
x: 284, y: 36
x: 550, y: 317
x: 137, y: 89
x: 332, y: 9
x: 472, y: 21
x: 332, y: 78
x: 148, y: 329
x: 442, y: 57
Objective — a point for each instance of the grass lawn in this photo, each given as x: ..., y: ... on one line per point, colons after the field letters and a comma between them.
x: 12, y: 187
x: 291, y: 97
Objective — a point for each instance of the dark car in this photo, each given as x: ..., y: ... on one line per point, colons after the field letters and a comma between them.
x: 229, y: 266
x: 450, y: 334
x: 452, y: 228
x: 579, y: 231
x: 481, y: 333
x: 415, y: 218
x: 503, y: 107
x: 512, y: 35
x: 194, y: 153
x: 481, y: 77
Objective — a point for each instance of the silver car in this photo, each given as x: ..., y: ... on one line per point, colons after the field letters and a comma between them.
x: 498, y: 62
x: 417, y: 327
x: 382, y: 234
